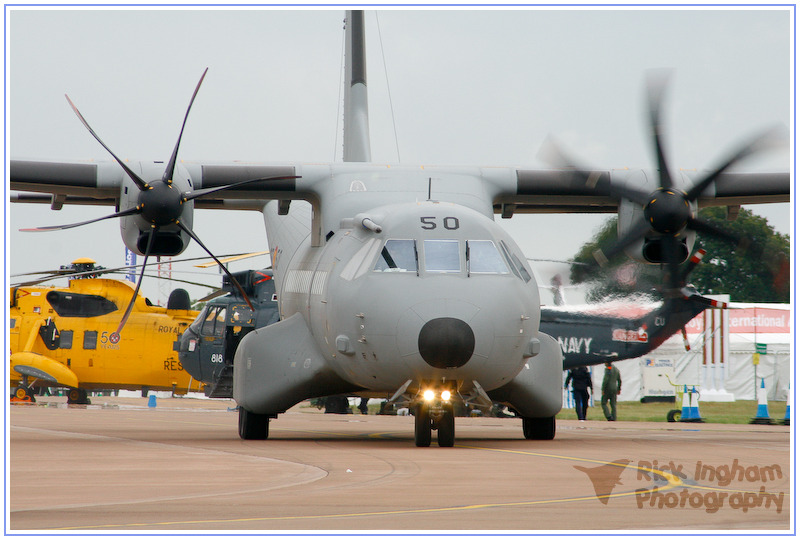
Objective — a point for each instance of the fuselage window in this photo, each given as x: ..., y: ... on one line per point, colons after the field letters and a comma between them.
x: 65, y: 341
x: 483, y: 258
x: 442, y: 256
x: 90, y: 339
x: 398, y: 256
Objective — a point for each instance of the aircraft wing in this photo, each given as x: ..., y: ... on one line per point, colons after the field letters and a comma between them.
x: 598, y: 191
x: 100, y: 183
x: 519, y: 190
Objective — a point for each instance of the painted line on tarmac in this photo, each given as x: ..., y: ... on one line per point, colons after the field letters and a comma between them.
x: 672, y: 482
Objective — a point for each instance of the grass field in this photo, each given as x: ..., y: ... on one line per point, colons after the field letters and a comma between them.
x: 737, y: 412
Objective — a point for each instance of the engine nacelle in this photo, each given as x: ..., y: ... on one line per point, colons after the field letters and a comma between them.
x: 648, y: 249
x: 169, y: 240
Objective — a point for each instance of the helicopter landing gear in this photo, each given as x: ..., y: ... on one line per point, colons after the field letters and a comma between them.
x: 78, y: 396
x: 23, y: 394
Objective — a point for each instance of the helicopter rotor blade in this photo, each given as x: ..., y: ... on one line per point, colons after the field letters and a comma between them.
x: 128, y: 212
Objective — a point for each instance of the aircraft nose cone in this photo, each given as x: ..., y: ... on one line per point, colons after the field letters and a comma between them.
x: 446, y: 342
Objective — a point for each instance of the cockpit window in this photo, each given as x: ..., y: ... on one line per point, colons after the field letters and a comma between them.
x: 68, y: 304
x: 483, y: 258
x: 398, y: 256
x: 516, y: 265
x: 442, y: 256
x: 214, y: 323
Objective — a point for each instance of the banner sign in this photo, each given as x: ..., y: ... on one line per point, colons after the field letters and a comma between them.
x: 755, y: 320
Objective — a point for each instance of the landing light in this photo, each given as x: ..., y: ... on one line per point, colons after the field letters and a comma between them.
x: 446, y: 395
x: 429, y: 395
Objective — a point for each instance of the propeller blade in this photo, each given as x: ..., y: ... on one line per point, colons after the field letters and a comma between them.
x: 141, y: 184
x: 205, y: 191
x: 671, y: 247
x: 656, y: 85
x: 128, y: 212
x: 634, y: 233
x: 170, y: 170
x: 194, y: 237
x: 115, y: 336
x: 763, y: 141
x: 703, y: 226
x: 625, y: 192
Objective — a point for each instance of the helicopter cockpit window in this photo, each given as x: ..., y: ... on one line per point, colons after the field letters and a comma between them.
x: 398, y: 256
x: 214, y: 323
x: 68, y: 304
x: 483, y: 258
x: 442, y: 256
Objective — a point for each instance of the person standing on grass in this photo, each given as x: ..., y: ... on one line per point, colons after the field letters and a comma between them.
x: 612, y: 386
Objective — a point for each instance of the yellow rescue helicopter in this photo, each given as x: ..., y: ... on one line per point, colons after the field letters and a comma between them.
x: 62, y: 337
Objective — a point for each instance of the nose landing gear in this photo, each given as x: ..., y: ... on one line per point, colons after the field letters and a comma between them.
x: 437, y: 415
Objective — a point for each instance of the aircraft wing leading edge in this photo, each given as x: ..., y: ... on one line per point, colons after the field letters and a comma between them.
x: 519, y: 190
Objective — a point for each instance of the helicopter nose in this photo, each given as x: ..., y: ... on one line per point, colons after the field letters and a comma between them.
x: 446, y: 342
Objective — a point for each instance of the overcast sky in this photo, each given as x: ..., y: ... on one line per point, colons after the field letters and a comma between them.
x: 481, y: 87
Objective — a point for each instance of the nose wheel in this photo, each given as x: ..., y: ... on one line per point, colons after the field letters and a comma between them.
x: 441, y: 419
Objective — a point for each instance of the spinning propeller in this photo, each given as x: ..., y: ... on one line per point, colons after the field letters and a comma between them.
x: 160, y: 204
x: 668, y: 211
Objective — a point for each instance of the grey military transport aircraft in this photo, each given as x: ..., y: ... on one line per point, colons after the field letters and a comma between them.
x: 396, y: 279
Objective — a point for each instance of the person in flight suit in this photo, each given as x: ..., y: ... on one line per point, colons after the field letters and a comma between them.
x: 612, y: 386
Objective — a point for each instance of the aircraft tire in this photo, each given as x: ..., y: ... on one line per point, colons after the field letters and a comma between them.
x: 78, y: 396
x: 252, y: 426
x: 447, y: 429
x: 422, y: 426
x: 539, y: 429
x: 24, y: 393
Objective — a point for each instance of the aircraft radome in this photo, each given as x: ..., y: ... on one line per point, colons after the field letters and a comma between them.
x: 60, y: 337
x: 397, y: 279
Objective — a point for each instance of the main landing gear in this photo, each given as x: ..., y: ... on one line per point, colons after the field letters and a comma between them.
x: 23, y: 394
x: 539, y: 429
x: 252, y: 426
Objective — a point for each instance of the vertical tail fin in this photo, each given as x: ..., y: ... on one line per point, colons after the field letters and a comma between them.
x: 356, y: 110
